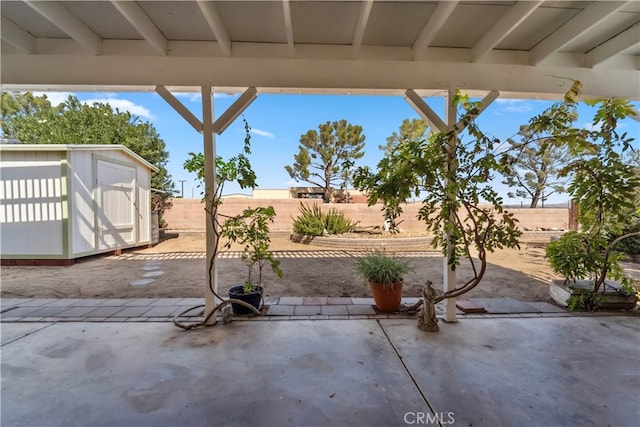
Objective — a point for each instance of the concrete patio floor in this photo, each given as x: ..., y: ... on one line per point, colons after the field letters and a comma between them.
x: 546, y: 371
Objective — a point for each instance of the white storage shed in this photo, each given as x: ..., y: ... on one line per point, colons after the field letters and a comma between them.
x: 61, y: 202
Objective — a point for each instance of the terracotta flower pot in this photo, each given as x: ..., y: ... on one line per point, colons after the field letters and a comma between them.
x: 387, y: 297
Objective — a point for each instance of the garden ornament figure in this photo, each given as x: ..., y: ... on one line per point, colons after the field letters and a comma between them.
x: 428, y: 320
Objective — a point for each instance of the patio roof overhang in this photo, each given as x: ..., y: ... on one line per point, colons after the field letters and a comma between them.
x: 518, y: 48
x: 513, y: 49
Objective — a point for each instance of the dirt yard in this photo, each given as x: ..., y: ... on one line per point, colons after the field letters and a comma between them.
x: 176, y: 268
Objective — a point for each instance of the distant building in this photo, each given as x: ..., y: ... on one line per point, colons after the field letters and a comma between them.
x: 355, y: 196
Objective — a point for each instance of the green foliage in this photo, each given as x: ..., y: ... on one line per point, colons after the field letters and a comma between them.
x: 237, y: 169
x: 451, y: 177
x: 310, y: 222
x: 33, y: 120
x: 630, y: 245
x: 410, y: 130
x: 337, y: 223
x: 576, y: 303
x: 313, y: 222
x: 574, y: 256
x: 251, y: 229
x: 605, y: 187
x: 535, y: 158
x: 534, y: 169
x: 323, y: 156
x: 381, y: 267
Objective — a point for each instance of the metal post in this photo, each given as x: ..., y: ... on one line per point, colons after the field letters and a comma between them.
x: 182, y: 181
x: 449, y: 274
x: 209, y: 190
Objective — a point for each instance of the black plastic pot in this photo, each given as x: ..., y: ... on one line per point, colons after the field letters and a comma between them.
x: 253, y: 298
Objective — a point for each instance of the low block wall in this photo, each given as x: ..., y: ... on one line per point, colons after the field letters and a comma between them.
x: 189, y: 214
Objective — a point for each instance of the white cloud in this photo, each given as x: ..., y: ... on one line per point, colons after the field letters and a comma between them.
x: 513, y: 106
x: 55, y: 98
x: 225, y: 95
x: 191, y: 96
x: 264, y: 133
x: 122, y: 105
x: 292, y: 183
x: 197, y: 96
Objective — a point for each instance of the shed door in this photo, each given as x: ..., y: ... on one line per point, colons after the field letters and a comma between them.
x: 116, y: 205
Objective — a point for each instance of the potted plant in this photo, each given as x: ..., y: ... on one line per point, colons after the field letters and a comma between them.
x: 451, y: 176
x: 385, y: 274
x: 236, y: 169
x: 251, y: 229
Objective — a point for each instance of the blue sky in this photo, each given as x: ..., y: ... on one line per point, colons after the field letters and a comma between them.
x: 278, y: 121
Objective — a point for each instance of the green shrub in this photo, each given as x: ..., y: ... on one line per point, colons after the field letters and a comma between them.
x: 310, y: 221
x: 337, y: 223
x: 630, y: 245
x: 313, y: 222
x: 571, y: 257
x: 380, y: 267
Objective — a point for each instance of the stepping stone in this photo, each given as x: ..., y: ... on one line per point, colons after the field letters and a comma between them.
x: 469, y: 307
x: 153, y: 274
x: 142, y: 282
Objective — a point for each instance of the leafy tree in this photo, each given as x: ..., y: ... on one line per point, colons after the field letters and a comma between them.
x: 33, y: 120
x: 322, y: 155
x: 535, y: 166
x: 536, y: 156
x: 411, y: 130
x: 452, y: 183
x: 22, y: 105
x: 605, y: 187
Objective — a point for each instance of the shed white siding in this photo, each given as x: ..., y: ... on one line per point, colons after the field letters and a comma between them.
x: 83, y: 221
x: 63, y: 202
x: 31, y: 199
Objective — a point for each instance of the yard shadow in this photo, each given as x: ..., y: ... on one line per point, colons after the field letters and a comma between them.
x: 305, y: 274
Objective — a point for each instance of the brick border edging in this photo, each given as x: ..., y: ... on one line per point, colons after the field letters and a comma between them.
x: 373, y: 243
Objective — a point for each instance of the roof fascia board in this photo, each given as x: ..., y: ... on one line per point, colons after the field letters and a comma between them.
x: 100, y: 71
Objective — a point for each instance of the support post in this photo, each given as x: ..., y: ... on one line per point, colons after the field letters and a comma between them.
x: 208, y: 129
x: 449, y: 274
x: 209, y: 191
x: 452, y: 126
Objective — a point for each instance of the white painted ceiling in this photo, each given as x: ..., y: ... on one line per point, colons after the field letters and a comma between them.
x: 529, y: 48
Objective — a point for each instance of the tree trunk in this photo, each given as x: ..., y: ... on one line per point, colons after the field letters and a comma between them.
x: 327, y: 195
x: 534, y: 200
